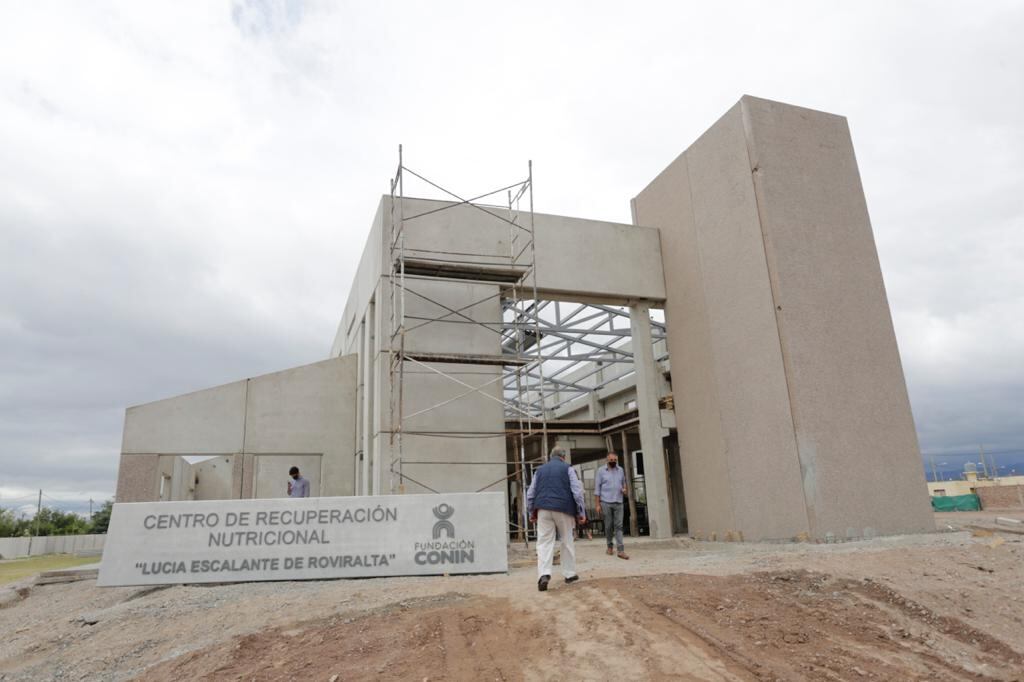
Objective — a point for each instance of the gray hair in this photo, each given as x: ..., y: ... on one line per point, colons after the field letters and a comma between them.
x: 557, y: 452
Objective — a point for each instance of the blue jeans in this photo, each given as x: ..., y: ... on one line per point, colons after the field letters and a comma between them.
x: 613, y: 524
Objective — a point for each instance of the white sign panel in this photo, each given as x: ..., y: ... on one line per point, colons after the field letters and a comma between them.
x: 154, y: 543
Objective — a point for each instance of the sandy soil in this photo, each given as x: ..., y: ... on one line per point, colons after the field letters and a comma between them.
x: 946, y: 606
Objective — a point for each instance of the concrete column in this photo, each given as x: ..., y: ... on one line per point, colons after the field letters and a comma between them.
x: 651, y: 431
x: 366, y: 364
x: 358, y: 482
x: 381, y: 392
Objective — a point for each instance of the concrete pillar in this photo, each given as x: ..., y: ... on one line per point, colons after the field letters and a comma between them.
x: 380, y: 445
x: 366, y: 364
x: 651, y: 431
x: 596, y: 407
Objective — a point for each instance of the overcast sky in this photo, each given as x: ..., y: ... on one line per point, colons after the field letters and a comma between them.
x: 185, y: 187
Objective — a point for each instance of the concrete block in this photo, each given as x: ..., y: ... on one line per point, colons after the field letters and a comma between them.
x: 339, y: 537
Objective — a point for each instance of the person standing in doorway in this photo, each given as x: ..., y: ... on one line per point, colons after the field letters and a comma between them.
x: 555, y: 501
x: 298, y: 486
x: 609, y: 489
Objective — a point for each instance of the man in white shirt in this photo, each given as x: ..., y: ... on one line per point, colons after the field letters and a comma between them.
x: 298, y: 486
x: 609, y: 487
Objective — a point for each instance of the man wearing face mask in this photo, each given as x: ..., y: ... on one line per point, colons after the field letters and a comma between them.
x: 298, y: 486
x: 609, y: 487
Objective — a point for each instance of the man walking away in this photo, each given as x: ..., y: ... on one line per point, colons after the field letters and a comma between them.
x: 554, y: 498
x: 609, y: 487
x: 298, y: 486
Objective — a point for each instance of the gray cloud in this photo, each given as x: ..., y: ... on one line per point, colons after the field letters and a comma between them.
x: 186, y: 188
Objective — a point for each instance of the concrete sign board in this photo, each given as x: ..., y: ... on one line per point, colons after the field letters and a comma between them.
x: 155, y: 543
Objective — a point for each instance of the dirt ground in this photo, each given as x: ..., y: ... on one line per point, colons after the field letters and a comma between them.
x: 945, y: 606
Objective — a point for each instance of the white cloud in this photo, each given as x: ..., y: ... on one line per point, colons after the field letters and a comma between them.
x: 187, y: 186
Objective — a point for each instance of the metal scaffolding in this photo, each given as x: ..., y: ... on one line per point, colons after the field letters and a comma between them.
x: 555, y: 356
x: 516, y: 275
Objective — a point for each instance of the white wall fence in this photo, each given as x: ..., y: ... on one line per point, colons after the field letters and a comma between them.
x: 11, y: 548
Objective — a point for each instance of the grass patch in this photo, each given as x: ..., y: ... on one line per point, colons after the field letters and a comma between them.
x: 17, y: 569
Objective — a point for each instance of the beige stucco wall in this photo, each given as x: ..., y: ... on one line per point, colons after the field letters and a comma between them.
x: 789, y: 394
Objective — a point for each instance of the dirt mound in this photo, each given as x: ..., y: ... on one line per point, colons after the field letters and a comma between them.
x: 448, y: 637
x: 775, y: 625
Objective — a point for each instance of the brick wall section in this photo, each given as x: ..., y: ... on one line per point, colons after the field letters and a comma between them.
x: 1002, y: 497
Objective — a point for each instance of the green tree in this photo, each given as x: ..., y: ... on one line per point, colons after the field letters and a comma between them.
x: 53, y: 522
x: 101, y: 518
x: 8, y: 523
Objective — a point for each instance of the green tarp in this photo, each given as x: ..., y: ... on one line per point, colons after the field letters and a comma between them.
x: 956, y: 503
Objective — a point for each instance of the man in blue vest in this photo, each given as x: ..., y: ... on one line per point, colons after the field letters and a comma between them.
x: 555, y: 502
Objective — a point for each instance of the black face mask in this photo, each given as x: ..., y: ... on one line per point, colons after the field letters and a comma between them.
x: 613, y: 464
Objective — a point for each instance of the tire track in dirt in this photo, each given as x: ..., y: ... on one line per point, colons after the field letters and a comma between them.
x: 803, y: 625
x: 761, y: 626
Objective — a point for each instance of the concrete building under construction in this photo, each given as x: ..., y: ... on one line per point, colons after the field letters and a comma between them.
x: 734, y: 345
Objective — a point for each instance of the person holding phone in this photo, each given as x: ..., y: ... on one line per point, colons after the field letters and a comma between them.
x: 297, y: 486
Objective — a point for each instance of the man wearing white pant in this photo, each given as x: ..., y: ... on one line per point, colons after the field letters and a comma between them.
x: 555, y: 502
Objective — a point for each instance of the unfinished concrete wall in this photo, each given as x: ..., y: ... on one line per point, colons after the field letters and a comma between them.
x: 205, y: 422
x: 791, y: 419
x: 177, y: 482
x: 576, y: 259
x: 469, y: 464
x: 215, y: 478
x: 308, y: 410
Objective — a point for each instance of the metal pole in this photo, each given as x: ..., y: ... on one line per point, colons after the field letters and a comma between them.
x: 39, y: 509
x: 522, y: 492
x: 935, y: 475
x: 627, y: 460
x: 984, y: 465
x: 540, y: 358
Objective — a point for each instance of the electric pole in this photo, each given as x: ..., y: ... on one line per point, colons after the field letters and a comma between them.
x: 984, y: 464
x: 90, y: 509
x: 39, y: 508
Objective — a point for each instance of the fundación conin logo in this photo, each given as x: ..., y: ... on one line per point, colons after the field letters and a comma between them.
x: 444, y: 512
x: 445, y: 550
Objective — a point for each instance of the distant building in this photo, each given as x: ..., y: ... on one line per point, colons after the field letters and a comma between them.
x: 1001, y: 492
